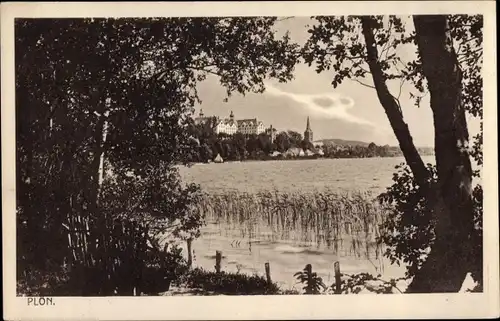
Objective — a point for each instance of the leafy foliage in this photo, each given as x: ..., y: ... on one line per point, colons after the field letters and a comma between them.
x: 408, y: 228
x: 476, y: 255
x: 102, y: 109
x: 163, y: 267
x: 337, y: 43
x: 157, y: 200
x: 313, y: 284
x: 229, y: 283
x: 354, y: 284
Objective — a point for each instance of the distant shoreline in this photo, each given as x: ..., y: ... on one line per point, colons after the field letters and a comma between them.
x: 298, y: 158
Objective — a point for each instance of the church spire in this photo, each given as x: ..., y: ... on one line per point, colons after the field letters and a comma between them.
x: 308, y: 134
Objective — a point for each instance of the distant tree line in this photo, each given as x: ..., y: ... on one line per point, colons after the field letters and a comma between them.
x: 207, y: 144
x: 372, y: 150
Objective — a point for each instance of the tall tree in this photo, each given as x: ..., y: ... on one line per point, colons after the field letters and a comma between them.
x: 454, y: 217
x: 96, y: 96
x: 447, y: 62
x: 295, y: 138
x: 282, y: 142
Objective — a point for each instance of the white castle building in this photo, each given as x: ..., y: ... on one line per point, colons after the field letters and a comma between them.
x: 231, y: 126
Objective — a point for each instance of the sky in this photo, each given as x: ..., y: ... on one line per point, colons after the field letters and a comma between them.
x: 351, y: 111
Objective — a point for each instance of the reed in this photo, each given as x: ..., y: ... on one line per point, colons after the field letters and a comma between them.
x: 347, y: 222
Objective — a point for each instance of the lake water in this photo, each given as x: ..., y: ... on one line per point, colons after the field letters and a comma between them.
x: 249, y: 254
x: 358, y: 174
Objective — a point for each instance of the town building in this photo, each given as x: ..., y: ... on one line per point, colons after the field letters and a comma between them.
x: 294, y: 152
x: 231, y: 126
x: 308, y: 134
x: 250, y: 126
x: 227, y: 126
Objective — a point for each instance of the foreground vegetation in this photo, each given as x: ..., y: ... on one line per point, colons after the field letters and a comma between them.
x: 228, y: 283
x: 101, y: 95
x: 325, y: 218
x: 87, y: 102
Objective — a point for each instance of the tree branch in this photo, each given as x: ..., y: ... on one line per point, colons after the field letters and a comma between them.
x: 361, y: 83
x: 462, y: 43
x: 471, y: 59
x: 357, y: 63
x: 202, y: 69
x: 386, y: 46
x: 400, y: 89
x: 479, y: 49
x: 391, y: 107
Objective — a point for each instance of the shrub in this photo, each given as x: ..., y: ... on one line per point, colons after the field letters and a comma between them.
x: 162, y: 268
x: 229, y: 283
x: 408, y: 230
x: 40, y: 283
x: 355, y: 283
x: 290, y: 292
x: 312, y: 282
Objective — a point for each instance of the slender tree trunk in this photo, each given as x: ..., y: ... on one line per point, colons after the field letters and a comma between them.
x: 104, y: 266
x: 391, y: 106
x: 101, y: 281
x: 447, y: 264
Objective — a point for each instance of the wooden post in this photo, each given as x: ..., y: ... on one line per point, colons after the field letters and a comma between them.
x: 190, y: 253
x: 309, y: 290
x: 268, y: 272
x: 218, y: 258
x: 338, y: 281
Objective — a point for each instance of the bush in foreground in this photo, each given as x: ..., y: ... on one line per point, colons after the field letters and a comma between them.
x: 229, y: 283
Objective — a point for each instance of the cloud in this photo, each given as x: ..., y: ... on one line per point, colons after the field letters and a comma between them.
x: 327, y: 105
x: 325, y: 102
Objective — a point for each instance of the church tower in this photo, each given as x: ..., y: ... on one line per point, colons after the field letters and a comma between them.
x: 308, y: 134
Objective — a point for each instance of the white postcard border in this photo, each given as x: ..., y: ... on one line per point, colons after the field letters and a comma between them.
x: 253, y: 307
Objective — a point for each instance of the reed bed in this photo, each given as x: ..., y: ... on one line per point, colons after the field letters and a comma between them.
x: 346, y: 222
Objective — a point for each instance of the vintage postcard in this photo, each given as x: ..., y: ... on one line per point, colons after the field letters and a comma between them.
x: 249, y: 160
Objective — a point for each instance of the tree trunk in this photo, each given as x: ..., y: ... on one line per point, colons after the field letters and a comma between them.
x: 391, y: 106
x: 190, y: 252
x: 447, y: 264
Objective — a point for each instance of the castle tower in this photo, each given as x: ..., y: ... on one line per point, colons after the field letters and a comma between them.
x: 308, y: 134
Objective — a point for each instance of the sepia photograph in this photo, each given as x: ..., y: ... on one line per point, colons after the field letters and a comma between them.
x: 292, y: 155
